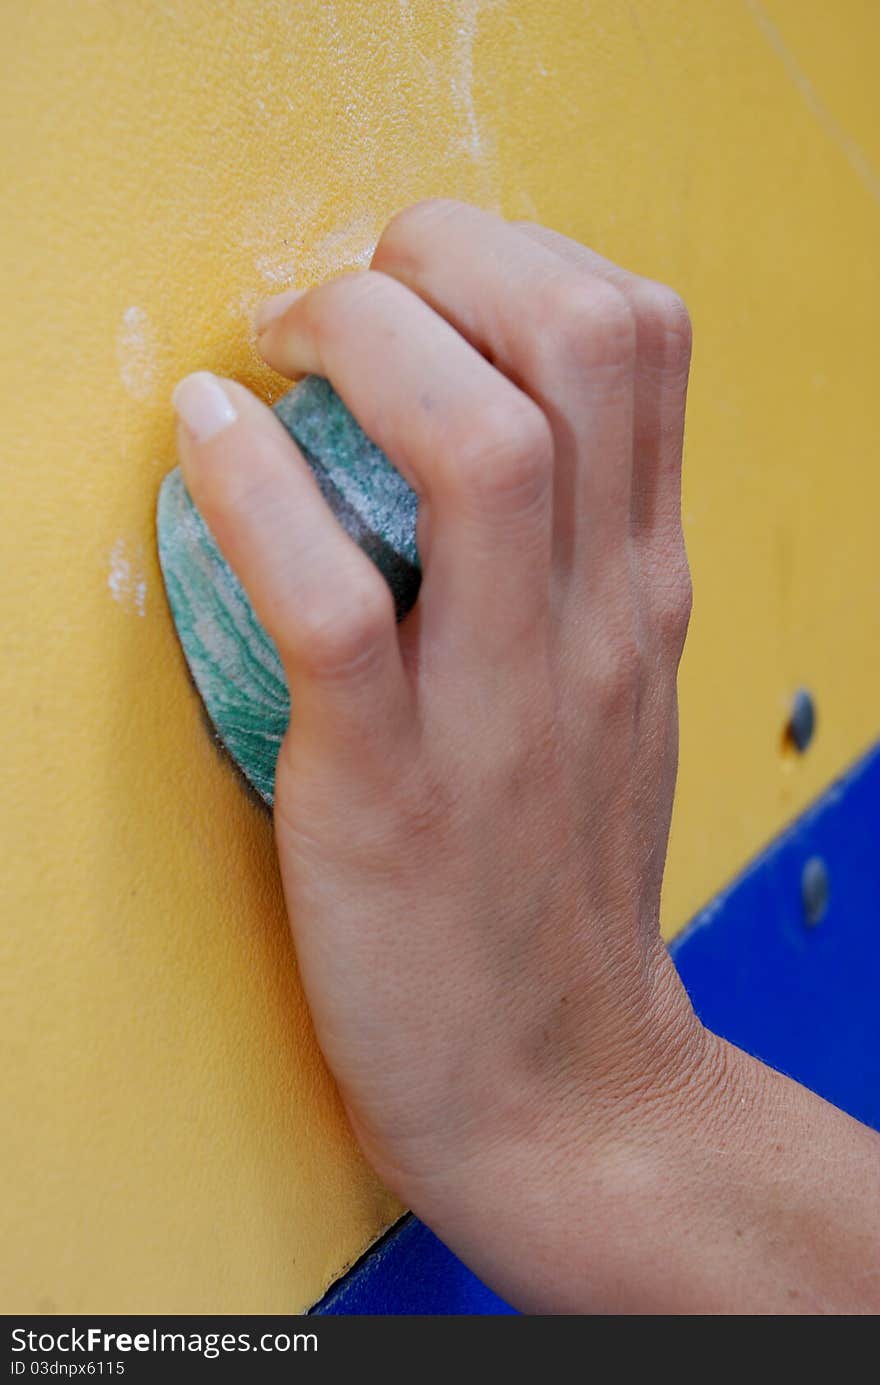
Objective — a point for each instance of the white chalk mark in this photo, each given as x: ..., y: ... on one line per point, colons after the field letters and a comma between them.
x: 136, y: 351
x: 127, y: 580
x: 854, y: 155
x: 463, y: 74
x: 349, y: 246
x: 276, y: 271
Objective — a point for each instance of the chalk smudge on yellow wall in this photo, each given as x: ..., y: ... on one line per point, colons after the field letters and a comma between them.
x: 137, y: 351
x: 127, y: 576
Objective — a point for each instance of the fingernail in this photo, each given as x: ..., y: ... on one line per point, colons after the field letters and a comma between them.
x: 274, y: 307
x: 203, y: 405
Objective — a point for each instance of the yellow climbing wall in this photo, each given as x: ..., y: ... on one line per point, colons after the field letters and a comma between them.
x: 173, y: 1141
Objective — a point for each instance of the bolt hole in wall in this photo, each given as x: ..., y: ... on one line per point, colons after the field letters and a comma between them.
x: 815, y: 890
x: 797, y: 735
x: 800, y: 728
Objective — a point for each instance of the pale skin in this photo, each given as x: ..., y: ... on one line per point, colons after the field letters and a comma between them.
x: 472, y: 807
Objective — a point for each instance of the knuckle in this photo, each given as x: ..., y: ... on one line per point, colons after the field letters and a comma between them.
x: 664, y: 326
x: 544, y: 235
x: 342, y: 635
x: 617, y: 673
x: 674, y: 598
x: 505, y: 453
x: 589, y: 320
x: 332, y: 302
x: 407, y: 227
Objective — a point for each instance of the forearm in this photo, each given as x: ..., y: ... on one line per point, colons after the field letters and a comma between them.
x: 780, y: 1198
x: 730, y: 1190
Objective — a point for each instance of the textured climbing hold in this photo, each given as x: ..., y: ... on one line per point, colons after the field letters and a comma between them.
x: 234, y: 663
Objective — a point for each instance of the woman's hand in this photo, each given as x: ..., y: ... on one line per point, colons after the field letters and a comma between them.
x: 472, y: 808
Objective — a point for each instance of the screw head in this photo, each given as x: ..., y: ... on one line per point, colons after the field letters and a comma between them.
x: 801, y: 720
x: 815, y: 889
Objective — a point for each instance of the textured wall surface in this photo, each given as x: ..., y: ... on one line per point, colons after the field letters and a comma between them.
x: 173, y: 1141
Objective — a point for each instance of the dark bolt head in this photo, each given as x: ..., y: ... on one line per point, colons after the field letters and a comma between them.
x: 815, y: 889
x: 801, y: 720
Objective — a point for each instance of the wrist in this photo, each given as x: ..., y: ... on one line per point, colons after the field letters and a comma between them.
x: 556, y: 1210
x: 544, y: 1134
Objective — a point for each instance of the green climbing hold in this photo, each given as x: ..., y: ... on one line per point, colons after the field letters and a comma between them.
x: 234, y: 663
